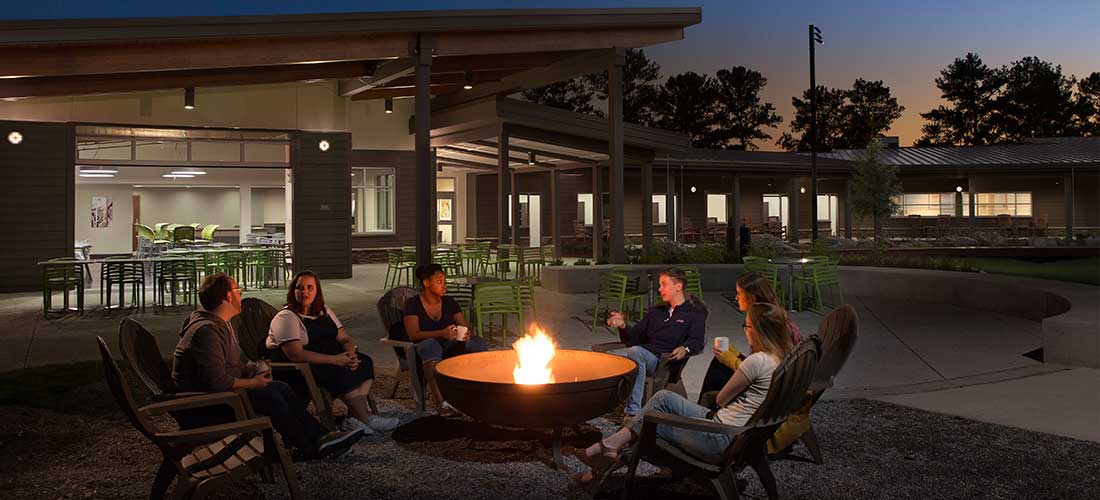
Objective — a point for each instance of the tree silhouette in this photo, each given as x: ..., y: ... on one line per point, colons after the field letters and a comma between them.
x: 641, y: 78
x: 971, y: 87
x: 874, y: 187
x: 830, y: 115
x: 868, y: 113
x: 740, y: 115
x: 572, y: 95
x: 1036, y: 101
x: 1087, y: 105
x: 685, y: 104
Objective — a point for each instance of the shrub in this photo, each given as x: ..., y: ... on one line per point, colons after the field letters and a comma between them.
x: 581, y: 262
x: 602, y: 262
x: 557, y: 262
x: 766, y: 246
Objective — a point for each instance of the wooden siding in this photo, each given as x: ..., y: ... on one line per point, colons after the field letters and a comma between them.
x: 38, y: 211
x: 322, y: 204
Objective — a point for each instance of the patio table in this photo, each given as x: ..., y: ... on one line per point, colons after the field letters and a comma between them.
x: 790, y: 262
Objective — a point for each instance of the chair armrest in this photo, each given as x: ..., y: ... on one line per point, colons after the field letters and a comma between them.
x: 214, y: 432
x: 233, y: 399
x: 396, y: 343
x: 288, y: 365
x: 694, y: 424
x: 607, y: 346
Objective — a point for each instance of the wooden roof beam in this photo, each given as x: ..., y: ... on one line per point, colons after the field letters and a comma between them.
x: 541, y: 152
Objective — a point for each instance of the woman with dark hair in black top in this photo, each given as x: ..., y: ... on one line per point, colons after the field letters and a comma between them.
x: 436, y: 323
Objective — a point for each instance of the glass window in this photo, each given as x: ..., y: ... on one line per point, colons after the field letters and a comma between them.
x: 524, y: 213
x: 994, y: 204
x: 716, y: 207
x: 372, y: 200
x: 445, y: 184
x: 930, y: 204
x: 584, y: 206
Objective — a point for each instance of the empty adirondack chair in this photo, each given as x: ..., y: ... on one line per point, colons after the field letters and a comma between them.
x: 391, y: 309
x: 201, y: 459
x: 838, y: 333
x: 790, y: 381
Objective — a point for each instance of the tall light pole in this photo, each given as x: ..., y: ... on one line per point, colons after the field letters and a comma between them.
x: 815, y: 38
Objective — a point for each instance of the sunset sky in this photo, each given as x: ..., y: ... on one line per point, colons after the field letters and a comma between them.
x: 904, y: 44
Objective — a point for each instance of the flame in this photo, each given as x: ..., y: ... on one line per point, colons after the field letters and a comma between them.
x: 534, y: 352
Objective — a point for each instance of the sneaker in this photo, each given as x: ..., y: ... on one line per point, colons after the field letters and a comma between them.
x: 351, y: 423
x: 382, y: 424
x: 337, y: 445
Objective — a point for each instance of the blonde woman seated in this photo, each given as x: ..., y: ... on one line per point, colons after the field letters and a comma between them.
x: 752, y: 288
x: 307, y: 331
x: 766, y: 331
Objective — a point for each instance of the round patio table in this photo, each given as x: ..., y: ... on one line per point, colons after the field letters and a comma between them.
x: 790, y: 262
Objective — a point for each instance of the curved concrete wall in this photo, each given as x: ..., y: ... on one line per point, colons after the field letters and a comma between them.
x: 1068, y: 312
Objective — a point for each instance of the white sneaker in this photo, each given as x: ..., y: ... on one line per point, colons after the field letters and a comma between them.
x: 351, y: 423
x: 382, y: 424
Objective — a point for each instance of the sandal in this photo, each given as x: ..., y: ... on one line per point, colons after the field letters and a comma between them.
x: 600, y: 465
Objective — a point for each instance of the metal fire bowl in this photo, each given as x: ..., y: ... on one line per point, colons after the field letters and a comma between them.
x: 587, y: 384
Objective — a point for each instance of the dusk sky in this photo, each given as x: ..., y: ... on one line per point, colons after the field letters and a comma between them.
x: 904, y: 44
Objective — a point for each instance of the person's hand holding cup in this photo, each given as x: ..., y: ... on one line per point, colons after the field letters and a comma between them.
x: 452, y: 332
x: 463, y: 333
x: 721, y: 345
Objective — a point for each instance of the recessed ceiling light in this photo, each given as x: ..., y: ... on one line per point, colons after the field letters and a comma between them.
x: 177, y: 176
x: 97, y: 175
x: 389, y: 105
x: 98, y: 171
x: 188, y: 172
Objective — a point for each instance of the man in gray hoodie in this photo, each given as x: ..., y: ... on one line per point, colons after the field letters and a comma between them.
x: 208, y: 359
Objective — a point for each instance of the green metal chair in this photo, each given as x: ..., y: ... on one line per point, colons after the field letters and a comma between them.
x: 62, y: 275
x: 614, y: 296
x: 526, y: 288
x: 398, y: 270
x: 497, y: 299
x: 177, y: 276
x: 694, y: 280
x: 147, y: 239
x: 183, y: 235
x: 122, y: 273
x: 531, y: 261
x: 463, y: 294
x: 267, y: 267
x: 503, y: 261
x: 207, y: 235
x: 761, y: 266
x: 820, y: 278
x: 450, y: 259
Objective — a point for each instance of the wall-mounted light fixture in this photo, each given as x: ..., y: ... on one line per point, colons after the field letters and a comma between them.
x: 15, y: 137
x: 189, y: 98
x: 802, y: 190
x: 692, y: 189
x: 323, y: 145
x: 389, y: 105
x: 959, y: 189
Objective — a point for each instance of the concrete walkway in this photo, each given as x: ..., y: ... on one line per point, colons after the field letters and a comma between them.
x: 934, y: 357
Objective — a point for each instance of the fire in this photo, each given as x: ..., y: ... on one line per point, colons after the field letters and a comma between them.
x: 534, y: 352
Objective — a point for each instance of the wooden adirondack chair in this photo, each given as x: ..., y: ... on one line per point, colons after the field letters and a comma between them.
x: 203, y: 458
x: 787, y: 393
x: 391, y: 309
x: 838, y: 333
x: 251, y: 327
x: 140, y: 351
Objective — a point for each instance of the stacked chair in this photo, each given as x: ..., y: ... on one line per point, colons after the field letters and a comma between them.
x: 62, y: 274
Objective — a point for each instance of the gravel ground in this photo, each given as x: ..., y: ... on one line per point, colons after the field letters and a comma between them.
x: 872, y: 450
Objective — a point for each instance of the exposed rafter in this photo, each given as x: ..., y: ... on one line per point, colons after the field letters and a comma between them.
x: 541, y: 152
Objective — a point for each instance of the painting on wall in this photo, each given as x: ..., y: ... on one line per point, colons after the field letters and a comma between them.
x: 443, y: 207
x: 102, y: 211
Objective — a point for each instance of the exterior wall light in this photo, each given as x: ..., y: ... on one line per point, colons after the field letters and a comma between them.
x: 802, y: 190
x: 959, y: 189
x: 692, y: 189
x: 323, y: 145
x: 15, y: 137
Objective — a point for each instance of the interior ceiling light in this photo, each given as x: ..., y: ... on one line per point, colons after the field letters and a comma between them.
x: 531, y: 158
x: 189, y: 98
x: 189, y: 172
x: 469, y: 80
x: 98, y: 171
x: 389, y: 105
x: 102, y: 176
x: 178, y: 176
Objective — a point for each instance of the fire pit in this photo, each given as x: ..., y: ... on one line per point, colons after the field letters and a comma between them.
x: 582, y: 385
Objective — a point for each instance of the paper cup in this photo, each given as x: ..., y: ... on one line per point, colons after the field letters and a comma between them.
x: 462, y: 331
x: 722, y: 343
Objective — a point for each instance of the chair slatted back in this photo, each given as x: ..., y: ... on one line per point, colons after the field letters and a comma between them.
x: 838, y: 331
x: 140, y: 351
x: 120, y: 389
x: 789, y: 383
x: 497, y: 297
x: 391, y: 310
x: 182, y: 233
x: 463, y: 294
x: 252, y: 326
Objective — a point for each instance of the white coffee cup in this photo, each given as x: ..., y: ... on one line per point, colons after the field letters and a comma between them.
x: 462, y: 331
x: 722, y: 343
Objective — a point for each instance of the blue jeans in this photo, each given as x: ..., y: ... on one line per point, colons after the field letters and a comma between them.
x: 647, y: 364
x: 705, y: 445
x: 440, y: 349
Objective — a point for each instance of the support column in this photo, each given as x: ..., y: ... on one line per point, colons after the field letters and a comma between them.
x: 425, y: 171
x: 733, y: 219
x: 615, y: 155
x: 504, y: 185
x: 972, y: 189
x: 597, y: 213
x: 555, y: 231
x: 647, y: 206
x: 792, y: 211
x: 515, y: 207
x: 246, y: 212
x: 671, y: 224
x: 1068, y: 181
x: 848, y: 208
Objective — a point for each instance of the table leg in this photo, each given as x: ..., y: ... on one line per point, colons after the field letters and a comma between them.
x: 558, y: 461
x: 790, y: 287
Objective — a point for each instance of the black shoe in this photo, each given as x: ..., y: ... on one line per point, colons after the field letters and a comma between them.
x: 336, y: 445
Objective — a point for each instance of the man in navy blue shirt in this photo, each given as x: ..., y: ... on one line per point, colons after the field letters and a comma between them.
x: 677, y: 327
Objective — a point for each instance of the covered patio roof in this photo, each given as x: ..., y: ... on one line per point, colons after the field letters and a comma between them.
x: 369, y: 52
